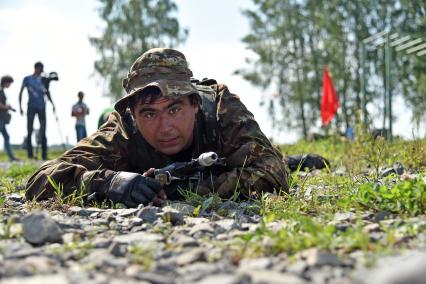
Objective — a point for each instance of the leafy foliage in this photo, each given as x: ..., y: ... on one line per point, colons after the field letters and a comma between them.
x: 293, y: 40
x: 132, y: 27
x: 406, y: 197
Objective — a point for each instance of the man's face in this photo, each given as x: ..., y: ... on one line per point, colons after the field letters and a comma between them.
x: 38, y: 70
x: 167, y: 124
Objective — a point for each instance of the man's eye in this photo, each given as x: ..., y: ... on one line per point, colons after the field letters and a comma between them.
x: 174, y: 110
x: 149, y: 115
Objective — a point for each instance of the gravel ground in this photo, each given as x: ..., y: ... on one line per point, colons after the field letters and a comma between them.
x: 168, y: 245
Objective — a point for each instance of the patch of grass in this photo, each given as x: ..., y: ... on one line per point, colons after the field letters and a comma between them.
x: 22, y: 154
x: 306, y: 215
x: 105, y: 204
x: 21, y: 170
x: 411, y: 154
x: 366, y: 151
x: 11, y: 228
x: 61, y: 201
x: 301, y: 232
x: 7, y: 185
x: 329, y: 148
x: 79, y: 249
x: 200, y: 202
x: 12, y: 180
x: 191, y: 197
x: 76, y: 198
x: 7, y: 233
x: 407, y: 197
x: 142, y: 256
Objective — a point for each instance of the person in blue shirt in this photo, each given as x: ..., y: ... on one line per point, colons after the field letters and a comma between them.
x: 36, y: 106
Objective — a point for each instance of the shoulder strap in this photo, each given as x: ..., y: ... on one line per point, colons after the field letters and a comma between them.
x: 208, y: 102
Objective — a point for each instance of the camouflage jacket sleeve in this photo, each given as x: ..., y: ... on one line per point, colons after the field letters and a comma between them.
x: 88, y: 167
x: 256, y: 165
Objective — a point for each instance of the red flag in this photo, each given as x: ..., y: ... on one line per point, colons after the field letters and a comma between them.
x: 330, y: 101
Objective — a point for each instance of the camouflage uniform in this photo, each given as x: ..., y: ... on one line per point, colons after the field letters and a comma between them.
x: 253, y: 164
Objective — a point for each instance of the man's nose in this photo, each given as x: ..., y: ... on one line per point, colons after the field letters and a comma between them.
x: 166, y: 122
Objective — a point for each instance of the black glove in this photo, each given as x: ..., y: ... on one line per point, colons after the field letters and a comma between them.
x: 308, y: 161
x: 132, y: 189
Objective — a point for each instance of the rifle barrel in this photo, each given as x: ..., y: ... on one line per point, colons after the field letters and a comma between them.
x: 207, y: 159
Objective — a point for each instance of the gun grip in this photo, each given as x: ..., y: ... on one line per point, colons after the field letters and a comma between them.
x: 164, y: 178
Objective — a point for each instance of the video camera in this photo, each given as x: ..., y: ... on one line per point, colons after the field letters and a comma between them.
x: 46, y: 78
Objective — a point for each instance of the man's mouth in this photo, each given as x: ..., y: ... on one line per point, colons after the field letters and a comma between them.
x: 168, y: 141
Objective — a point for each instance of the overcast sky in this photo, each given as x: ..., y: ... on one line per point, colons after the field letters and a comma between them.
x: 56, y: 32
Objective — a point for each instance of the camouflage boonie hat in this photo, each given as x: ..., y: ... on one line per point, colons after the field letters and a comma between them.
x: 163, y: 68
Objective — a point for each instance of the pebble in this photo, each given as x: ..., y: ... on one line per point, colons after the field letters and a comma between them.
x: 40, y: 228
x: 148, y: 214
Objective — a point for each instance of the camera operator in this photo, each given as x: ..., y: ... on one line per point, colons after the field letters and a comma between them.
x: 36, y: 105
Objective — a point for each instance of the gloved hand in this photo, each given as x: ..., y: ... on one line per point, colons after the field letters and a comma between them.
x: 132, y: 189
x: 307, y: 161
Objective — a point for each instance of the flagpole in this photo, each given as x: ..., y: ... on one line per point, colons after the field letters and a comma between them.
x: 388, y: 84
x: 363, y: 87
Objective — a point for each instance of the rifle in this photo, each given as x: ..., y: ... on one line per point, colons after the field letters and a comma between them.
x: 173, y: 176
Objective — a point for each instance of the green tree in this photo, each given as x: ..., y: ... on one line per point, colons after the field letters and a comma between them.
x: 405, y: 18
x: 131, y: 28
x: 294, y: 39
x: 279, y: 48
x: 410, y: 70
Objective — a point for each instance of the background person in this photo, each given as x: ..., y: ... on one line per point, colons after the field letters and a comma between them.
x: 80, y: 110
x: 36, y: 106
x: 5, y: 116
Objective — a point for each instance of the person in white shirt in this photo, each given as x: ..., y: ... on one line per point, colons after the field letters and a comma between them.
x: 80, y: 110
